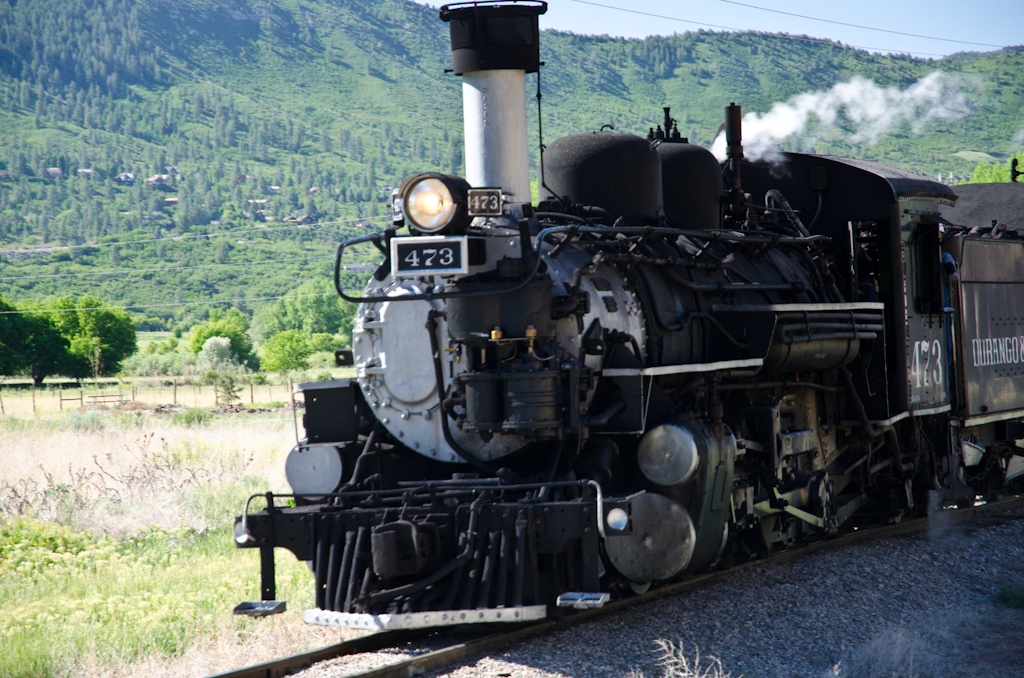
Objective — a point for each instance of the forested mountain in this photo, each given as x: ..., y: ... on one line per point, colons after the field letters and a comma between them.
x: 253, y: 111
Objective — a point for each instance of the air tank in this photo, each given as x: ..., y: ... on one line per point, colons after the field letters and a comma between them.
x: 692, y: 185
x: 619, y: 172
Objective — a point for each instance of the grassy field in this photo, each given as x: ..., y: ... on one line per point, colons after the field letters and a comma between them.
x: 116, y: 557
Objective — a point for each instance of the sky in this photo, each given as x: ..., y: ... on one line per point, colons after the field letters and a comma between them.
x: 991, y: 22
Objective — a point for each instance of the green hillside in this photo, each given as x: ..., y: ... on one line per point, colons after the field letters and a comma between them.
x: 333, y: 103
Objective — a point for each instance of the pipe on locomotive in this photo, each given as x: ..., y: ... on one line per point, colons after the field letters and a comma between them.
x: 734, y: 155
x: 494, y: 46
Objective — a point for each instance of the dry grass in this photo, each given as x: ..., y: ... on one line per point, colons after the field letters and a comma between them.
x: 967, y: 644
x: 119, y: 472
x: 138, y: 482
x: 675, y: 663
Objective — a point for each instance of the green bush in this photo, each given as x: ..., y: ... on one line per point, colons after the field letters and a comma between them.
x: 195, y: 416
x: 1011, y: 596
x: 129, y: 420
x: 82, y: 421
x: 325, y: 342
x: 69, y: 599
x: 18, y: 534
x: 157, y: 364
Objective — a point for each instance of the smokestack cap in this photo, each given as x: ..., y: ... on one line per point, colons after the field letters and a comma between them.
x: 491, y: 36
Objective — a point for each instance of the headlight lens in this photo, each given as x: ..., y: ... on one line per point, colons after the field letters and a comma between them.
x: 429, y: 205
x: 435, y: 204
x: 618, y: 519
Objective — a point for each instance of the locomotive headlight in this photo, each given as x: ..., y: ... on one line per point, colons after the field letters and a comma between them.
x: 435, y: 203
x: 429, y: 205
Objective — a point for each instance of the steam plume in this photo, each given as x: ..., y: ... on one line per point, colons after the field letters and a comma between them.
x: 861, y: 104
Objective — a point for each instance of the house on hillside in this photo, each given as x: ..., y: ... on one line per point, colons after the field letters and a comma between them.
x: 54, y: 173
x: 5, y: 175
x: 171, y: 169
x: 315, y: 189
x: 86, y: 173
x: 170, y: 202
x: 158, y: 181
x: 271, y: 190
x: 303, y: 219
x: 125, y: 178
x: 241, y: 178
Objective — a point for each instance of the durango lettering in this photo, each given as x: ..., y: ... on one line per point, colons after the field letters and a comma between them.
x: 997, y: 351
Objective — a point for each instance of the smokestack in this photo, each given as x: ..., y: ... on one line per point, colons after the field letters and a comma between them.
x: 734, y: 153
x: 494, y: 46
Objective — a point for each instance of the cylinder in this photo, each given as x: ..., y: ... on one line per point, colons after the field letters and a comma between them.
x: 483, y: 401
x: 494, y: 113
x: 659, y: 543
x: 533, y: 402
x: 313, y: 470
x: 667, y: 455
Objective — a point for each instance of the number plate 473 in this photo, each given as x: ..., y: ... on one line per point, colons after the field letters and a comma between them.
x: 429, y: 255
x: 484, y: 202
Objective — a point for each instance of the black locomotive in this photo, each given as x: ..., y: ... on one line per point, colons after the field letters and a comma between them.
x: 666, y: 365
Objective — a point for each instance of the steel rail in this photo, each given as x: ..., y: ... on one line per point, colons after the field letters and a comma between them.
x: 447, y: 656
x: 286, y: 666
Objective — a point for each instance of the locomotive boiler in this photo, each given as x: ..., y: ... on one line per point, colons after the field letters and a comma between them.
x: 666, y: 365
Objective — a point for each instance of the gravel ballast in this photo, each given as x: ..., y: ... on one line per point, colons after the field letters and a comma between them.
x: 916, y: 605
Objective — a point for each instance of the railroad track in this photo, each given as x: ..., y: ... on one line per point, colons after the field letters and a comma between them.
x: 485, y: 643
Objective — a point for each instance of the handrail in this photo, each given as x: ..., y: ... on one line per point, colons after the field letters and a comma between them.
x: 541, y: 237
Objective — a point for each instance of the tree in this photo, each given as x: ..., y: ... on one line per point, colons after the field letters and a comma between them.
x: 226, y: 388
x: 286, y: 351
x: 996, y: 172
x: 46, y: 348
x: 325, y: 342
x: 13, y: 340
x: 313, y: 307
x: 79, y: 337
x: 232, y: 325
x: 110, y: 333
x: 216, y: 356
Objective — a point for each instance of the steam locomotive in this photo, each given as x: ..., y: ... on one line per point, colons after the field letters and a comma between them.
x: 666, y: 365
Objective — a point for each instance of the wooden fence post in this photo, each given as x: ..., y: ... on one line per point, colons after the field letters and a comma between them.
x: 175, y: 391
x: 252, y: 398
x: 33, y: 399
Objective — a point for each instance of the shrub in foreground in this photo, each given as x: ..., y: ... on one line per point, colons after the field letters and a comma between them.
x: 195, y: 416
x: 1011, y: 596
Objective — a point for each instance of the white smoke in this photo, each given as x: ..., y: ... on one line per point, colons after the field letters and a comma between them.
x: 855, y: 112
